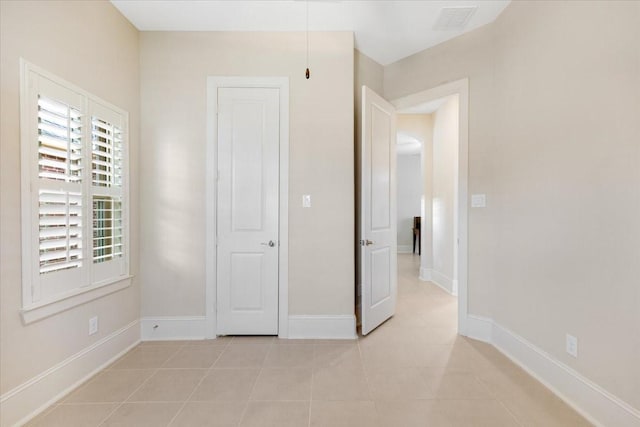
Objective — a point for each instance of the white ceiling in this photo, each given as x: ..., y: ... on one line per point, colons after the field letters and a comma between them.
x: 384, y: 30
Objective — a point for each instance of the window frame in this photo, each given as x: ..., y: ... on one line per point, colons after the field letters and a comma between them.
x: 85, y: 288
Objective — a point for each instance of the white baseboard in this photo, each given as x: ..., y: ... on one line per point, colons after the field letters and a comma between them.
x: 405, y: 249
x: 26, y: 401
x: 323, y: 327
x: 596, y: 404
x: 479, y: 328
x: 441, y: 280
x: 173, y: 328
x: 195, y: 327
x: 425, y: 274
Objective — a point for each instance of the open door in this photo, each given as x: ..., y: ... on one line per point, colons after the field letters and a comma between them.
x: 378, y: 251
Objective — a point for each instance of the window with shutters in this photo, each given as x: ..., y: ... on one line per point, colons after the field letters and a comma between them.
x: 74, y: 190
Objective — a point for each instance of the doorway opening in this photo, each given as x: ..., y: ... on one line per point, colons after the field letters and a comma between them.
x: 377, y: 257
x: 433, y: 135
x: 427, y: 189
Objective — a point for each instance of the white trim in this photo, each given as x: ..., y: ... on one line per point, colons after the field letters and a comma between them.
x: 26, y: 218
x: 283, y: 267
x: 596, y: 404
x: 461, y: 88
x: 323, y: 327
x: 213, y: 83
x: 174, y: 328
x: 593, y: 402
x: 77, y: 297
x: 442, y: 281
x: 34, y: 305
x: 479, y: 328
x: 425, y: 274
x: 405, y: 249
x: 29, y: 399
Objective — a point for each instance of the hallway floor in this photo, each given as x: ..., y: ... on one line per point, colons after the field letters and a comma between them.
x: 411, y: 371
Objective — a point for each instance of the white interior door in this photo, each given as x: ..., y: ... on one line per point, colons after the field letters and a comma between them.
x: 378, y: 251
x: 247, y: 213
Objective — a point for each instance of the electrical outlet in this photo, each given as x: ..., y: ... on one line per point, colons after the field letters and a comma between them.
x: 93, y: 325
x: 306, y: 201
x: 572, y: 345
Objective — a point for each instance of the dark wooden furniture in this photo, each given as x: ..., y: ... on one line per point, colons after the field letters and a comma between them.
x: 416, y: 234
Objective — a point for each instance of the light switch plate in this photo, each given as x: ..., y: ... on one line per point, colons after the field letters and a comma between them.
x: 572, y: 345
x: 93, y: 325
x: 306, y: 201
x: 478, y: 200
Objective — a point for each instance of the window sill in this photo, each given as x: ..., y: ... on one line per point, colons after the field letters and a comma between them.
x: 41, y: 310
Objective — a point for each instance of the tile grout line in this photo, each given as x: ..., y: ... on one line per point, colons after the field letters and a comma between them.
x: 62, y: 400
x: 120, y: 404
x: 517, y: 420
x: 246, y: 406
x: 48, y: 410
x: 366, y: 378
x: 195, y: 388
x: 313, y: 374
x: 224, y: 348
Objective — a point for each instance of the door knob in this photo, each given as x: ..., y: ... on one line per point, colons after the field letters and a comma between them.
x: 366, y: 242
x: 270, y: 243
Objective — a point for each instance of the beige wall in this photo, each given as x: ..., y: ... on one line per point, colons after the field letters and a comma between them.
x: 174, y: 69
x: 553, y: 142
x: 366, y: 72
x: 444, y: 191
x: 112, y: 74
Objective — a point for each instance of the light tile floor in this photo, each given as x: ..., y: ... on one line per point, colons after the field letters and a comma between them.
x: 411, y: 371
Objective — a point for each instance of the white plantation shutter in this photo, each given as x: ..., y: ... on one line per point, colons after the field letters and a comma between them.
x: 107, y: 154
x: 60, y: 166
x: 74, y: 189
x: 60, y: 230
x: 107, y: 177
x: 53, y: 159
x: 59, y: 141
x: 107, y: 228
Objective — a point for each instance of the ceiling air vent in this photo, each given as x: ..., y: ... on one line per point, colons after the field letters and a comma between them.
x: 454, y: 18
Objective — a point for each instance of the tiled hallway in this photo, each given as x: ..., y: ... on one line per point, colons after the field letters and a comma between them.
x: 411, y: 371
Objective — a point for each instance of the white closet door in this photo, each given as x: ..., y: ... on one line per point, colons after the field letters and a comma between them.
x: 247, y: 214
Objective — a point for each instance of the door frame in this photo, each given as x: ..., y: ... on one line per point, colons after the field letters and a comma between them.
x: 460, y: 88
x: 211, y: 253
